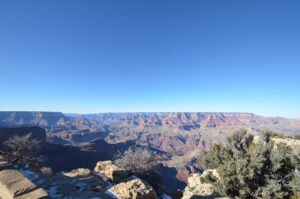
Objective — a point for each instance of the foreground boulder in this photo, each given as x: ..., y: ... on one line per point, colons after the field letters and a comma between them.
x: 196, y: 189
x: 133, y: 188
x: 111, y: 171
x: 14, y: 185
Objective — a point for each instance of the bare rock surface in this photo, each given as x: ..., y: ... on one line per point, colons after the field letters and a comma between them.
x: 133, y: 188
x: 196, y: 189
x: 78, y: 183
x: 113, y: 172
x: 14, y: 185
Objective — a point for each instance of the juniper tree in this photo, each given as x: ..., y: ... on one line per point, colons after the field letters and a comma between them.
x: 251, y: 169
x: 141, y: 162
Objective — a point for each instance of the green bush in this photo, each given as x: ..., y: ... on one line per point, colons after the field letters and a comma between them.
x: 251, y: 170
x: 297, y: 137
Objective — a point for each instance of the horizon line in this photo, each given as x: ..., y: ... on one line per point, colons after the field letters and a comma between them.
x: 120, y: 112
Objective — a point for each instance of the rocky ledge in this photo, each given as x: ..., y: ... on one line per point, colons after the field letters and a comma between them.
x: 14, y: 185
x: 107, y: 181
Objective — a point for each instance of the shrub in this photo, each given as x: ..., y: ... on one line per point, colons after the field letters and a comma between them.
x: 141, y: 162
x: 22, y: 150
x: 251, y: 170
x: 297, y: 137
x: 46, y: 171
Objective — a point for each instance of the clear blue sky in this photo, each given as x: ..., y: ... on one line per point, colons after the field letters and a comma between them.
x: 150, y: 55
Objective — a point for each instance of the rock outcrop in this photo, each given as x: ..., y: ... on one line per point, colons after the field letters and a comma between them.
x: 107, y: 181
x: 113, y: 172
x: 126, y: 187
x: 79, y: 183
x: 14, y: 185
x: 133, y: 188
x: 197, y: 189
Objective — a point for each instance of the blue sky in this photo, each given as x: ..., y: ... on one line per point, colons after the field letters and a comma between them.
x: 157, y: 55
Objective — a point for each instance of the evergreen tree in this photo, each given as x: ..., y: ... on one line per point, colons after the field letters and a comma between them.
x: 251, y: 169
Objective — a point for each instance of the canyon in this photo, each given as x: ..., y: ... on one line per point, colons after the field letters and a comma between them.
x: 177, y: 137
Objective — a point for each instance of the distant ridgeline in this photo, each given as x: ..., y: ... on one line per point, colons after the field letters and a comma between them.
x: 172, y: 122
x: 173, y: 132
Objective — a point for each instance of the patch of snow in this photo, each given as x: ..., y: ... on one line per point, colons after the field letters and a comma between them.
x: 111, y: 194
x: 41, y: 181
x: 134, y: 177
x: 110, y: 185
x: 29, y: 174
x: 103, y: 176
x: 165, y: 196
x: 26, y: 166
x: 16, y: 166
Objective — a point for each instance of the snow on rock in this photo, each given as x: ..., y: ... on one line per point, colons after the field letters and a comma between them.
x: 29, y: 174
x: 111, y: 194
x: 165, y: 196
x: 52, y: 191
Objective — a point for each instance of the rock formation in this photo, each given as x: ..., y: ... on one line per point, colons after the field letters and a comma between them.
x: 111, y: 171
x: 197, y: 189
x: 106, y: 182
x: 124, y: 187
x: 133, y: 188
x: 79, y: 183
x: 14, y: 185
